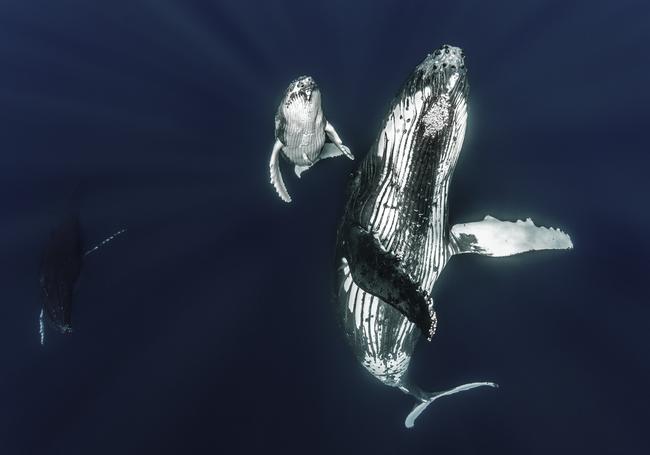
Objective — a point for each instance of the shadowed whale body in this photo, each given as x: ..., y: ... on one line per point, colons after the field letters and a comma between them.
x: 61, y: 265
x: 60, y: 269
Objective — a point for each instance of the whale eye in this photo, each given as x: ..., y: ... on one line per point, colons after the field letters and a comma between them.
x: 446, y: 51
x: 444, y: 65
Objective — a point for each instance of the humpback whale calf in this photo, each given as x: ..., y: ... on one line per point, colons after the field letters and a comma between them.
x: 394, y: 239
x: 60, y: 269
x: 300, y: 133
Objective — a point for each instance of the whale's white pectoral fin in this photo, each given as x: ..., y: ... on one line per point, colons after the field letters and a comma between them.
x: 276, y: 176
x: 300, y: 169
x: 492, y: 237
x: 419, y: 408
x: 334, y: 137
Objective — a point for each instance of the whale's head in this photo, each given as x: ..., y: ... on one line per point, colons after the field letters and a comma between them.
x: 447, y: 58
x: 441, y: 71
x: 426, y: 121
x: 303, y: 90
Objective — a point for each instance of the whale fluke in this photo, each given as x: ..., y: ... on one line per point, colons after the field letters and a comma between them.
x: 496, y: 238
x: 428, y: 398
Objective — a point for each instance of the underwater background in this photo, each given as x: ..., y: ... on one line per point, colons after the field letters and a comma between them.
x: 210, y: 326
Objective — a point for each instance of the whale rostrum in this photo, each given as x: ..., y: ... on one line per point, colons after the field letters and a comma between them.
x: 394, y: 239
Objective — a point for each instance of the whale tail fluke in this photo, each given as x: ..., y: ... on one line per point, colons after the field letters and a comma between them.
x: 427, y: 398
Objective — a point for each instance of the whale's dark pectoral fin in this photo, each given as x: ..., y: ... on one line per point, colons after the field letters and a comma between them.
x: 492, y: 237
x: 379, y: 272
x: 427, y: 398
x: 276, y: 176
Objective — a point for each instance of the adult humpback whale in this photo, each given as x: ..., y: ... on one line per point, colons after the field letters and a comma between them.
x: 394, y: 239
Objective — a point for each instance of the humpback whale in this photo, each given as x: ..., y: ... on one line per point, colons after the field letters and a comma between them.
x: 394, y: 239
x: 61, y: 266
x: 300, y: 133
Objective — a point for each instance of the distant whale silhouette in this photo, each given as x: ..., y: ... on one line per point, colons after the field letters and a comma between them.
x: 61, y: 266
x: 395, y: 240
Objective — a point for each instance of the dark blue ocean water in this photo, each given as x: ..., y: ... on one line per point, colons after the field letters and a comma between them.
x: 210, y: 328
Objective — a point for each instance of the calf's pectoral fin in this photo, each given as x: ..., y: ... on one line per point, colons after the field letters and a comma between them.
x: 334, y: 137
x: 493, y: 237
x: 379, y: 272
x: 329, y: 150
x: 300, y: 169
x: 276, y: 176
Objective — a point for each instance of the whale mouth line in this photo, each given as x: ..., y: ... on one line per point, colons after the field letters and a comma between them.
x: 305, y: 95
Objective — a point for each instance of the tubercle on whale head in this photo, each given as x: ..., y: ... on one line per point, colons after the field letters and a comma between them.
x: 439, y: 73
x: 445, y: 58
x: 304, y: 87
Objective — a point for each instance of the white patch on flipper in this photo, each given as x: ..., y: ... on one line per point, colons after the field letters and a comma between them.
x: 276, y: 176
x: 418, y: 409
x: 492, y: 237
